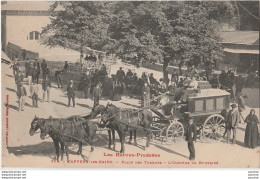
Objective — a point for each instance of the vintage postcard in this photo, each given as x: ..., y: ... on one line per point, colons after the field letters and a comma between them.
x: 143, y: 84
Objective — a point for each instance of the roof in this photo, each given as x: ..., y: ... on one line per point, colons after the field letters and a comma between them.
x: 26, y: 6
x: 5, y: 57
x: 205, y: 93
x: 240, y: 37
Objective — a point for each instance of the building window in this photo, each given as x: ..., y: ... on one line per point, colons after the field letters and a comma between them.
x: 34, y: 35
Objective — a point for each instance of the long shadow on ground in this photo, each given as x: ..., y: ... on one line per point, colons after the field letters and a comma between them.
x: 170, y: 151
x: 13, y: 107
x: 84, y: 105
x: 10, y: 89
x: 60, y: 103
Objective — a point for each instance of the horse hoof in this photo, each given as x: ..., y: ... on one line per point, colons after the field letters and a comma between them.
x: 135, y: 143
x: 92, y: 149
x: 129, y: 142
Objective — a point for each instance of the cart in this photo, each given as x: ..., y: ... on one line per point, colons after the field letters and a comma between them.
x: 205, y: 107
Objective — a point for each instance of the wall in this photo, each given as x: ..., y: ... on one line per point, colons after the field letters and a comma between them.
x: 18, y: 28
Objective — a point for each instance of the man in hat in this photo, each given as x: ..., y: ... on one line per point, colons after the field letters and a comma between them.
x: 232, y: 122
x: 57, y: 76
x: 46, y: 87
x: 18, y: 79
x: 34, y: 89
x: 191, y: 135
x: 120, y: 74
x: 37, y: 70
x: 71, y: 93
x: 15, y: 66
x: 21, y: 94
x: 86, y: 82
x: 97, y: 92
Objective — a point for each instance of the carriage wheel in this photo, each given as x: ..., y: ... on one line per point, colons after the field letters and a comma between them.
x: 175, y: 132
x: 213, y: 127
x: 158, y: 126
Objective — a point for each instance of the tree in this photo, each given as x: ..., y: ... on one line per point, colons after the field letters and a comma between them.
x: 77, y: 23
x: 161, y: 31
x: 168, y: 31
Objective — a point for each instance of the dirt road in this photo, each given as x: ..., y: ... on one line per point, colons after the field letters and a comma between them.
x: 24, y: 150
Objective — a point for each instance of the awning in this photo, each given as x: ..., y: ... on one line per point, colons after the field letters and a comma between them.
x: 249, y: 51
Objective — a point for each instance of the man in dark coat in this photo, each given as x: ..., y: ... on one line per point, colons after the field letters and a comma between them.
x: 27, y: 64
x: 97, y: 92
x: 71, y: 93
x: 191, y: 135
x: 223, y: 78
x: 37, y: 70
x: 15, y: 67
x: 18, y: 79
x: 240, y: 81
x: 43, y: 65
x: 120, y: 74
x: 86, y: 82
x: 232, y: 122
x: 45, y: 72
x: 57, y: 76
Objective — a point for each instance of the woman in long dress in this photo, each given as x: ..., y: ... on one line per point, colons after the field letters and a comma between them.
x: 251, y: 134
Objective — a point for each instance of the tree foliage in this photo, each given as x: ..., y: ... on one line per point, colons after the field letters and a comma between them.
x: 151, y: 30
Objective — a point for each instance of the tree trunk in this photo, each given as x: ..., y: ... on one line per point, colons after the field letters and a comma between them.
x: 165, y: 72
x: 81, y: 55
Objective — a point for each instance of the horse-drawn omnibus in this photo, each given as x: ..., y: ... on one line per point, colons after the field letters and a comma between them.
x: 205, y: 107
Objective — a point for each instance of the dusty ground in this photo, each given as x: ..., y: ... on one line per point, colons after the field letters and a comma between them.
x: 24, y: 150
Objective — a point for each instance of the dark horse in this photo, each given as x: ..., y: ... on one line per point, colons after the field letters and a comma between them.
x: 72, y: 129
x: 122, y: 120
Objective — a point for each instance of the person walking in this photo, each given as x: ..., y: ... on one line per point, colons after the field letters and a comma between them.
x: 251, y: 134
x: 97, y: 92
x: 34, y: 89
x: 57, y: 76
x: 146, y: 95
x: 46, y: 87
x: 71, y: 93
x: 21, y: 94
x: 232, y: 123
x: 191, y: 136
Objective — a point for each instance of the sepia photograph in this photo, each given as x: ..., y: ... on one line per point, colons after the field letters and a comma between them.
x: 130, y: 84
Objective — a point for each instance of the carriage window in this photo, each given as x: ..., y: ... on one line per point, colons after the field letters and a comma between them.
x: 198, y: 105
x: 209, y: 104
x: 220, y: 103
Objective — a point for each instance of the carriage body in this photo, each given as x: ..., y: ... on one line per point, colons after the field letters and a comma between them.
x: 205, y: 107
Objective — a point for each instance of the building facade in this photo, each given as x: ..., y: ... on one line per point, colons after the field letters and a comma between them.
x: 22, y: 23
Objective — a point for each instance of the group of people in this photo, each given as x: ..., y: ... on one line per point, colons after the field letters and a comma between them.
x: 233, y: 117
x: 32, y: 72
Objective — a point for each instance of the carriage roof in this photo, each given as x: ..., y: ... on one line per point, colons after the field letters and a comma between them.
x: 213, y: 92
